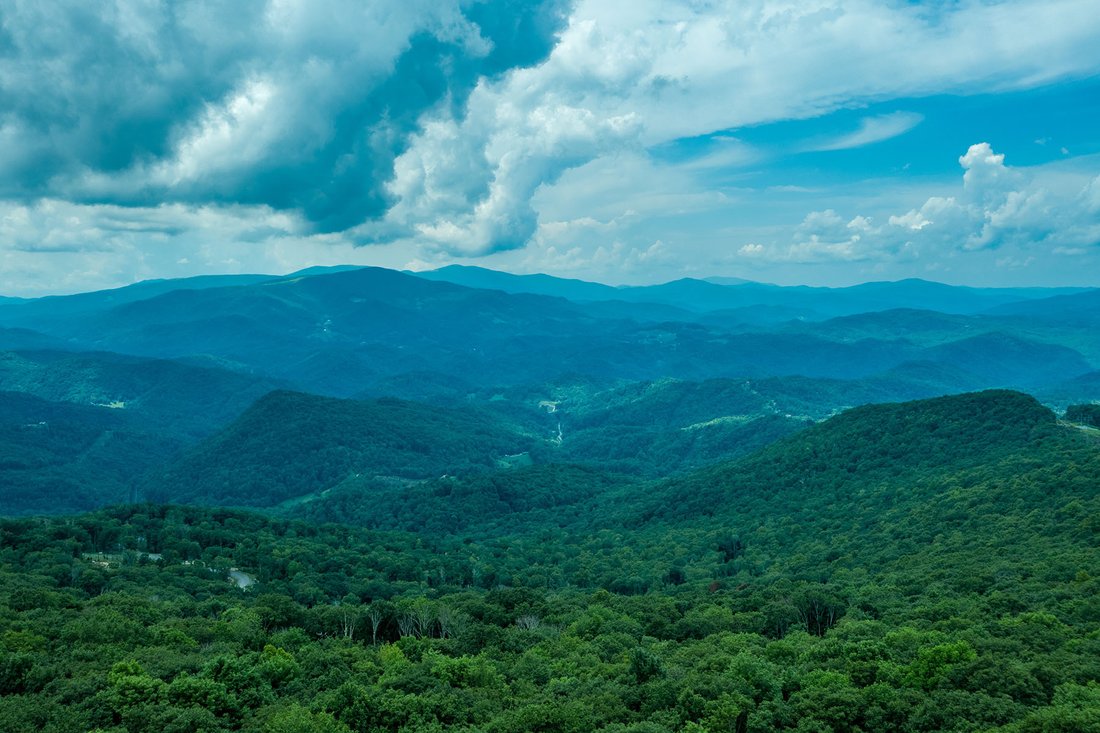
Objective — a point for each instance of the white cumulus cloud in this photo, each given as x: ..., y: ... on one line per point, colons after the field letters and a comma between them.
x: 997, y: 205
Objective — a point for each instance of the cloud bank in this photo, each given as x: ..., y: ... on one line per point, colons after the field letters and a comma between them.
x: 452, y: 128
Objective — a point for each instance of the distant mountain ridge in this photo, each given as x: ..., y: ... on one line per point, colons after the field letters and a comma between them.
x: 1079, y: 307
x: 341, y: 331
x: 712, y: 294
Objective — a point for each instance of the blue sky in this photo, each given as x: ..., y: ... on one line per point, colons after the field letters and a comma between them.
x: 813, y: 142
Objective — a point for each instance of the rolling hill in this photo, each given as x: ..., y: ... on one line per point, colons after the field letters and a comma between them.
x: 876, y: 444
x: 1080, y: 308
x: 172, y: 397
x: 288, y: 445
x: 57, y: 457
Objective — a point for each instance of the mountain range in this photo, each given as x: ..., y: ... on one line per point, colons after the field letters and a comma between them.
x: 348, y: 331
x: 643, y: 381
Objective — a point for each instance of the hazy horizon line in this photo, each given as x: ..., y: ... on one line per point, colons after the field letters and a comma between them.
x: 315, y: 270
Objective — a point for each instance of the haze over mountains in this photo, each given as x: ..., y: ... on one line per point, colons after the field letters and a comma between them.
x: 338, y: 332
x: 614, y: 369
x: 712, y: 294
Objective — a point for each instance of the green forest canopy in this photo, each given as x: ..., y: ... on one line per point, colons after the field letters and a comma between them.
x: 918, y: 567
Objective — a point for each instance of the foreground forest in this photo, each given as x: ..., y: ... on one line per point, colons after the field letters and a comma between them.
x: 918, y: 567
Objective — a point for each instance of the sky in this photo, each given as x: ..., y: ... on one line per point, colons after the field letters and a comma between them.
x: 811, y: 142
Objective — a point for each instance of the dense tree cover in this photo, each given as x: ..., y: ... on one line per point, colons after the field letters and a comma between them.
x: 511, y: 501
x: 82, y: 456
x: 548, y: 557
x: 661, y: 452
x: 1084, y: 414
x: 61, y: 457
x: 291, y: 444
x: 297, y: 447
x: 180, y: 400
x: 657, y: 428
x: 922, y: 567
x: 898, y: 443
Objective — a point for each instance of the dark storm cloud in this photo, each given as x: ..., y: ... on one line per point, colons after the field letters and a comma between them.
x: 98, y: 86
x: 301, y: 107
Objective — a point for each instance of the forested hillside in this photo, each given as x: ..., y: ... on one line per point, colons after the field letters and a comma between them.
x: 57, y: 457
x: 901, y: 443
x: 290, y: 444
x: 186, y: 399
x: 875, y: 572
